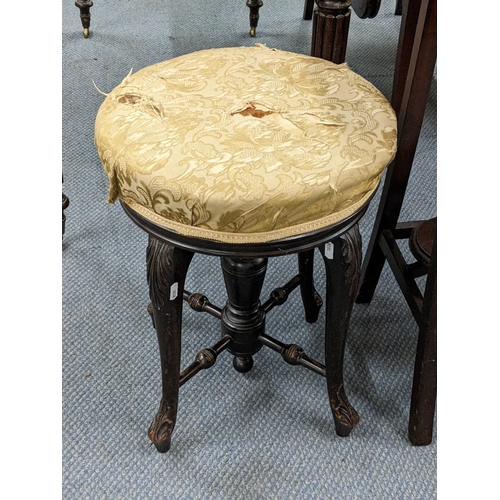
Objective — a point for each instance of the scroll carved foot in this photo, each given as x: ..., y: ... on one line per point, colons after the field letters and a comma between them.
x: 344, y: 415
x: 166, y: 267
x: 342, y: 259
x: 162, y: 426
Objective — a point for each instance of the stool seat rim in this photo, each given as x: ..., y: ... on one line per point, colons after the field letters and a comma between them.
x: 290, y: 245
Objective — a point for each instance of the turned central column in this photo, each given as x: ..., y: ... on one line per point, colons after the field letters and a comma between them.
x: 243, y: 317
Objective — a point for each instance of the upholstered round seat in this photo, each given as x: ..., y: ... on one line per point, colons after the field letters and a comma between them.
x: 245, y: 144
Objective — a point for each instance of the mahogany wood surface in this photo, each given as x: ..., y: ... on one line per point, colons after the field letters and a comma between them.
x: 330, y: 29
x: 424, y: 389
x: 409, y: 99
x: 416, y: 58
x: 421, y: 240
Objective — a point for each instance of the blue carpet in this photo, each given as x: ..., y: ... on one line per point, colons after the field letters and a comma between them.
x: 267, y: 434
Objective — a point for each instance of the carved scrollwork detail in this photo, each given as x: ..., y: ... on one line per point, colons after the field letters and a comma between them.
x: 162, y: 426
x: 351, y: 257
x: 159, y: 260
x: 345, y: 415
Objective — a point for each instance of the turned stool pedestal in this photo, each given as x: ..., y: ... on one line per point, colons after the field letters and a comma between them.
x: 245, y: 154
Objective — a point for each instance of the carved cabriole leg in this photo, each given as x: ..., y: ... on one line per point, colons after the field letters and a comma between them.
x: 343, y: 263
x: 166, y: 268
x: 330, y: 29
x: 84, y: 6
x: 310, y: 297
x: 254, y: 6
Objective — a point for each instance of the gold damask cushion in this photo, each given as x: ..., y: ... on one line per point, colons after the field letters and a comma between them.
x: 245, y: 144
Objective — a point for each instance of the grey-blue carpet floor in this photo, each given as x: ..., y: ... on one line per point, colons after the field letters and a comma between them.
x: 267, y: 434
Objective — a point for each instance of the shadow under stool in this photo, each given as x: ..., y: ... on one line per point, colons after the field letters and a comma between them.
x: 246, y: 154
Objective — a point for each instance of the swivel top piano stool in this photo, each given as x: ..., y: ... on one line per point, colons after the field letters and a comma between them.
x: 247, y: 153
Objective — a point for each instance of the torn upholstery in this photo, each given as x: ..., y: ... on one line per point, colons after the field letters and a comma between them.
x: 245, y: 144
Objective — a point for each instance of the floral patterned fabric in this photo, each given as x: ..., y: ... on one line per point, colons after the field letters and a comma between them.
x: 245, y: 144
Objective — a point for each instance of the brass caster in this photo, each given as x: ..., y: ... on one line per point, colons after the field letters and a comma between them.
x: 85, y: 32
x: 252, y: 31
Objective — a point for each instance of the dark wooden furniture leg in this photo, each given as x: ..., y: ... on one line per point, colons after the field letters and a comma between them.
x: 330, y: 29
x: 243, y: 318
x: 310, y: 297
x: 254, y: 6
x: 84, y: 6
x: 423, y: 398
x: 342, y: 259
x: 413, y: 76
x: 308, y: 10
x: 415, y: 63
x: 65, y: 204
x: 166, y: 270
x: 366, y: 8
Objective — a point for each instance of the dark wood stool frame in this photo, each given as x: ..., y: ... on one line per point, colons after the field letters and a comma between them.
x: 416, y: 58
x: 243, y: 317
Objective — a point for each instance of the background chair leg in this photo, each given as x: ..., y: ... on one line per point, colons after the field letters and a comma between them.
x: 342, y: 259
x: 330, y: 30
x: 254, y: 6
x: 166, y: 268
x: 65, y: 205
x: 84, y: 6
x: 308, y: 10
x: 423, y: 398
x: 310, y: 297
